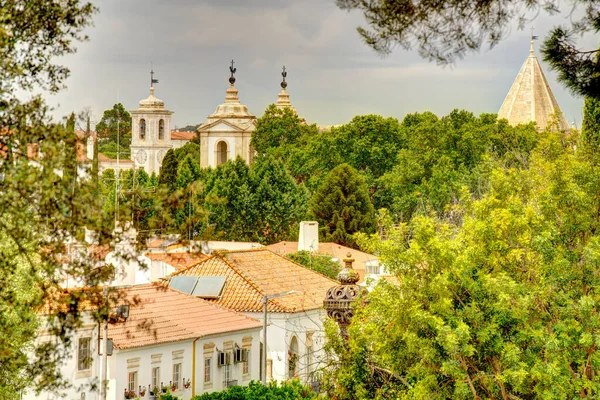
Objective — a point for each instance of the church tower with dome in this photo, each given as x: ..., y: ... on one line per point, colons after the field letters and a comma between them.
x: 150, y: 132
x: 227, y: 132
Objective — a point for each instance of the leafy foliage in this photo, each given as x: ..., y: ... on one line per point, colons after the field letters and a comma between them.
x: 116, y: 122
x: 499, y: 303
x: 292, y: 390
x: 321, y: 263
x: 279, y: 127
x: 590, y: 129
x: 342, y: 206
x: 444, y: 31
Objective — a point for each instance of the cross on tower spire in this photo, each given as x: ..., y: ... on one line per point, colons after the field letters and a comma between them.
x: 233, y: 71
x: 283, y: 74
x: 152, y: 80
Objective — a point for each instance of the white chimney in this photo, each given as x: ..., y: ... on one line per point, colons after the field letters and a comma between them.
x: 308, y: 239
x: 90, y: 148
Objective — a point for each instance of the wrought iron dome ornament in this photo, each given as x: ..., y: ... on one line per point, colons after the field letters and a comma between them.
x: 284, y: 75
x: 233, y: 71
x: 338, y: 300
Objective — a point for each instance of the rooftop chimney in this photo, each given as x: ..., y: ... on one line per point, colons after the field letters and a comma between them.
x: 308, y: 239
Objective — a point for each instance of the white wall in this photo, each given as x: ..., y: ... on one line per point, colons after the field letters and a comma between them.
x: 282, y: 327
x: 79, y: 380
x: 142, y: 361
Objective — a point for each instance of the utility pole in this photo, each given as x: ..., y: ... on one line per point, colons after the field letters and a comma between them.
x: 265, y: 301
x: 104, y: 349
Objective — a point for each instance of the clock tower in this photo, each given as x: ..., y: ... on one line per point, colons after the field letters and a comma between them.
x: 150, y: 132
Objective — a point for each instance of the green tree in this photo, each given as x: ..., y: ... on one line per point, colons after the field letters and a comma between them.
x: 39, y: 210
x: 590, y: 129
x: 321, y: 263
x: 292, y: 390
x: 70, y: 153
x: 95, y: 168
x: 278, y: 127
x: 496, y: 304
x: 168, y: 171
x: 445, y: 31
x: 116, y: 122
x: 342, y: 206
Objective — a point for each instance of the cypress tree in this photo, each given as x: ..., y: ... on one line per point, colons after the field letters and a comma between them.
x: 590, y: 129
x: 342, y: 206
x: 168, y: 171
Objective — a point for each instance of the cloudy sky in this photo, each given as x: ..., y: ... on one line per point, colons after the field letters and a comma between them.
x: 332, y: 75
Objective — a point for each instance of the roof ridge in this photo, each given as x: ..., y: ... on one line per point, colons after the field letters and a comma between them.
x: 209, y: 257
x: 213, y: 304
x: 254, y: 285
x: 303, y: 266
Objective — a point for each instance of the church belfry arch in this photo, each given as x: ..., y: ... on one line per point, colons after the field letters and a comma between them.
x: 221, y: 152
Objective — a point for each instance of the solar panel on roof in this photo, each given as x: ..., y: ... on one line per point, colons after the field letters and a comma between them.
x: 185, y: 284
x: 209, y: 287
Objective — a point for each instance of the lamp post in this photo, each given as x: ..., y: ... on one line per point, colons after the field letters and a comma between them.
x: 265, y: 301
x: 338, y: 300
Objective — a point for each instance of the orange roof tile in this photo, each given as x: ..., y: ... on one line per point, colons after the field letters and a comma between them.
x: 164, y: 315
x: 176, y: 135
x: 250, y: 274
x: 178, y: 260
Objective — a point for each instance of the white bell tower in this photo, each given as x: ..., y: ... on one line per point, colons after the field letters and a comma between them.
x: 150, y: 132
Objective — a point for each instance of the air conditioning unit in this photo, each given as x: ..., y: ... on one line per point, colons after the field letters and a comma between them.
x: 123, y: 311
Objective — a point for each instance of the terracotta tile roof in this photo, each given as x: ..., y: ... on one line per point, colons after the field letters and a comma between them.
x: 250, y: 274
x: 333, y: 249
x: 176, y: 135
x: 178, y: 260
x: 163, y: 315
x: 104, y: 158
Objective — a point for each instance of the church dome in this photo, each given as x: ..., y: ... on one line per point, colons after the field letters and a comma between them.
x: 231, y: 108
x: 152, y: 102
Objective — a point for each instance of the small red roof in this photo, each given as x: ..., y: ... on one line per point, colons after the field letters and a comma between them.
x: 176, y: 135
x: 164, y: 315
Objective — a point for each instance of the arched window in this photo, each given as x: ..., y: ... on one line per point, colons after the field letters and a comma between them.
x: 293, y: 358
x: 161, y: 129
x: 142, y: 129
x: 221, y: 152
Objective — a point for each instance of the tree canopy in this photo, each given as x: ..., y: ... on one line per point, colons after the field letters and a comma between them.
x: 498, y: 302
x: 342, y: 206
x: 115, y: 121
x: 445, y: 31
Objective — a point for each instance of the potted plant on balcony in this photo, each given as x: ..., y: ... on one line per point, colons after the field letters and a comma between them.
x: 187, y: 384
x: 130, y: 394
x: 163, y: 388
x: 173, y: 386
x: 154, y: 391
x: 143, y: 391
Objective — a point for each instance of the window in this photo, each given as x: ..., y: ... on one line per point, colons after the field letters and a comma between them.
x: 142, y: 129
x: 221, y: 152
x: 246, y: 362
x: 132, y: 380
x: 84, y: 354
x: 226, y: 374
x: 293, y: 358
x: 161, y: 129
x: 372, y: 267
x: 155, y: 377
x: 207, y: 370
x: 176, y: 374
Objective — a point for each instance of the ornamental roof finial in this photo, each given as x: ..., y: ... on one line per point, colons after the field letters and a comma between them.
x: 284, y: 75
x: 233, y: 71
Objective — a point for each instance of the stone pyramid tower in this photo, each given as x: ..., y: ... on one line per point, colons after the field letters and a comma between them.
x: 530, y: 98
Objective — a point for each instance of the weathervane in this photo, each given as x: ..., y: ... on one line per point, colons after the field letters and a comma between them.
x: 533, y: 37
x: 152, y: 80
x: 232, y: 70
x: 283, y: 82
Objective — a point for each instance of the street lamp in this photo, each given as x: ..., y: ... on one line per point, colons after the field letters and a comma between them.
x: 265, y: 300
